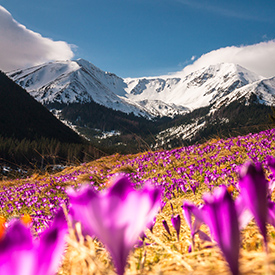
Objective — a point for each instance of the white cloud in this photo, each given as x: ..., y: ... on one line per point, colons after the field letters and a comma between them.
x: 258, y: 58
x: 20, y: 47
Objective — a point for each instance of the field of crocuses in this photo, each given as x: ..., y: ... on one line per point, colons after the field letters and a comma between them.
x: 202, y: 209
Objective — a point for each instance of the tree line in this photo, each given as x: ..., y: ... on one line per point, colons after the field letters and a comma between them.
x: 43, y: 152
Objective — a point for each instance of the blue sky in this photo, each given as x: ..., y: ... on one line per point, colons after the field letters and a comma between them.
x: 134, y: 38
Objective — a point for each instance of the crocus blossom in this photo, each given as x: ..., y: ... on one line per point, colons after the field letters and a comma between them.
x: 175, y: 220
x: 244, y: 214
x: 220, y: 215
x: 254, y: 193
x: 152, y: 224
x: 21, y: 254
x: 271, y: 213
x: 189, y: 209
x: 117, y: 216
x: 271, y: 183
x: 166, y: 227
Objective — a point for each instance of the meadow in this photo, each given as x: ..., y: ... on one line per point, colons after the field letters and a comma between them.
x: 184, y: 175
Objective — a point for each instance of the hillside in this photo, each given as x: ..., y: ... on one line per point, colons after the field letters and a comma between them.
x: 31, y: 135
x: 21, y: 116
x: 184, y: 174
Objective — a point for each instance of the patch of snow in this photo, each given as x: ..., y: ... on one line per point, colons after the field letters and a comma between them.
x: 108, y: 134
x: 182, y: 132
x: 57, y: 114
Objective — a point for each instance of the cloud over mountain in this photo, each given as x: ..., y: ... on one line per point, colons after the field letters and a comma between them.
x: 259, y: 58
x: 21, y: 47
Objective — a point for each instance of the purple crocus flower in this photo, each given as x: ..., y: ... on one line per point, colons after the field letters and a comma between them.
x: 254, y: 193
x: 21, y: 254
x: 175, y: 219
x: 271, y: 163
x: 165, y: 225
x: 271, y: 213
x: 271, y: 184
x: 244, y: 214
x: 189, y: 209
x: 220, y: 215
x: 152, y: 224
x: 117, y: 216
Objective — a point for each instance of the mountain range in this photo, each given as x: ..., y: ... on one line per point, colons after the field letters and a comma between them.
x: 173, y: 109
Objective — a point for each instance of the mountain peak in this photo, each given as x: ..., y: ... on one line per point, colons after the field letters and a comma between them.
x: 80, y: 81
x: 84, y: 63
x: 228, y: 69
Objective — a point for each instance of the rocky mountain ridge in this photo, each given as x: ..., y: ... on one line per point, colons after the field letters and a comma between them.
x: 65, y: 85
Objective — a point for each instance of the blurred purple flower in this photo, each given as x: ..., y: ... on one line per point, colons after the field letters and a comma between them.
x: 254, y: 192
x: 271, y: 213
x: 271, y: 163
x: 189, y: 209
x: 117, y: 216
x: 21, y: 254
x: 244, y: 214
x: 152, y: 224
x: 271, y: 183
x: 220, y: 215
x: 165, y: 225
x: 175, y: 219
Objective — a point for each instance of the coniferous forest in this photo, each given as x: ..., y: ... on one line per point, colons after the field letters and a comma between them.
x: 30, y: 135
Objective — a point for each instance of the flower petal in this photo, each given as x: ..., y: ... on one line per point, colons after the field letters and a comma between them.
x: 254, y: 192
x: 16, y: 250
x: 244, y: 214
x: 51, y: 246
x: 220, y: 215
x: 116, y: 216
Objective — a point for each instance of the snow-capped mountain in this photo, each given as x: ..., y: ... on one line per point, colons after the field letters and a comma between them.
x: 198, y: 89
x: 263, y: 89
x: 80, y: 81
x: 75, y: 81
x: 203, y: 97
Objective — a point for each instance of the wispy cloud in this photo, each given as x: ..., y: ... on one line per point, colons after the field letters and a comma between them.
x: 258, y: 58
x: 21, y: 47
x: 187, y: 62
x: 238, y: 13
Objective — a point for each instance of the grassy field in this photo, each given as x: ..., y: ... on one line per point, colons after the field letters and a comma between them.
x: 185, y: 174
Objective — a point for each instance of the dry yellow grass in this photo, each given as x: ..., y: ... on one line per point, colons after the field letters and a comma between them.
x: 165, y: 255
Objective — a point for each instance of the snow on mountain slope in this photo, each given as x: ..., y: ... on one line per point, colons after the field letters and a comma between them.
x: 198, y: 89
x: 81, y: 81
x: 75, y: 81
x: 263, y: 89
x: 160, y: 108
x: 182, y: 132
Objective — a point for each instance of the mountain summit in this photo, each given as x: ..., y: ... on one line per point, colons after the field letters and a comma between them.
x: 192, y: 106
x: 80, y: 81
x: 75, y: 82
x: 198, y: 89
